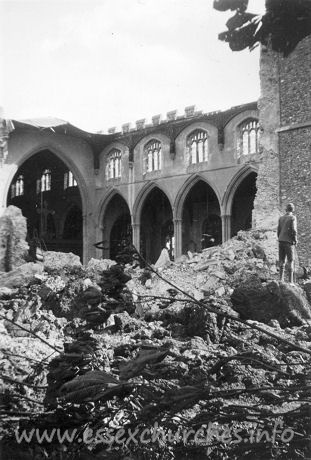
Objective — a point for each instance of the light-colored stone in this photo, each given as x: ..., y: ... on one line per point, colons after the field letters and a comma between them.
x: 219, y: 274
x: 164, y: 259
x: 220, y: 291
x: 99, y: 265
x: 60, y: 260
x: 22, y: 275
x: 206, y: 265
x: 13, y: 245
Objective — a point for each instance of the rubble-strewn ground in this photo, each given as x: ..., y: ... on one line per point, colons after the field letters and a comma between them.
x: 136, y: 368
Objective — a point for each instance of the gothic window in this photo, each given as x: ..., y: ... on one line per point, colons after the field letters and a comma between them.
x: 69, y: 180
x: 248, y: 139
x: 153, y: 156
x: 197, y: 143
x: 44, y: 184
x: 17, y: 189
x: 113, y: 168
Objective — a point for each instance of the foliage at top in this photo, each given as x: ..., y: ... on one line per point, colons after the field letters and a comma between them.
x: 283, y: 26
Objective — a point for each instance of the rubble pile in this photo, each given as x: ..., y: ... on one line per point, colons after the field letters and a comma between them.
x: 217, y: 270
x: 241, y: 274
x: 13, y: 245
x: 172, y: 353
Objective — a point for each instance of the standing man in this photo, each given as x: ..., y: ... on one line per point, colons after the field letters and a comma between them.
x: 287, y: 235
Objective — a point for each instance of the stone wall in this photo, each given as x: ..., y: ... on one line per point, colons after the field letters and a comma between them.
x: 267, y: 203
x: 285, y: 117
x: 295, y: 168
x: 295, y: 85
x: 295, y: 140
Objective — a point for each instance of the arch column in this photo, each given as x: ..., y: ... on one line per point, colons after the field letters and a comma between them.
x: 99, y: 237
x: 136, y: 236
x: 178, y: 237
x: 85, y: 238
x: 226, y: 227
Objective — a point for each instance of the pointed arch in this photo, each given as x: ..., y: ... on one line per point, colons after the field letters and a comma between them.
x: 234, y: 184
x: 193, y: 125
x: 183, y: 192
x: 65, y: 158
x: 141, y: 197
x: 102, y: 207
x: 115, y: 224
x: 156, y: 224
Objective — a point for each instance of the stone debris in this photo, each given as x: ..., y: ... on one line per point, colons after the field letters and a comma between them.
x: 56, y: 261
x: 163, y: 260
x: 22, y: 275
x: 99, y: 265
x: 232, y: 348
x: 13, y: 245
x: 274, y: 300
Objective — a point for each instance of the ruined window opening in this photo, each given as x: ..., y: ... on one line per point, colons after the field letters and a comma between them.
x: 248, y: 140
x: 197, y: 143
x: 44, y: 184
x: 17, y: 189
x: 153, y: 156
x: 113, y: 169
x: 69, y: 180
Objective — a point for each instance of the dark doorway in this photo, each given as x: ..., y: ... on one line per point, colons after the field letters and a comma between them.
x: 121, y: 235
x: 157, y: 229
x: 117, y: 227
x: 243, y: 204
x: 211, y: 231
x: 201, y: 217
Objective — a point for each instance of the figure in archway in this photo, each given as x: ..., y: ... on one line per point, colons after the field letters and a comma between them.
x: 156, y: 225
x: 211, y: 231
x: 167, y: 238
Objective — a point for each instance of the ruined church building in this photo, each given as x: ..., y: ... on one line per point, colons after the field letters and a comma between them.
x: 186, y: 182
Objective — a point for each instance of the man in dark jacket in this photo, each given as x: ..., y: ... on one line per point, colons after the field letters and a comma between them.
x: 287, y: 235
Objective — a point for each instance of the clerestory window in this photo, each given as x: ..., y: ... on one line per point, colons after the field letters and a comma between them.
x: 113, y: 168
x: 248, y: 139
x: 69, y: 180
x: 17, y: 189
x: 44, y: 183
x: 153, y: 156
x: 197, y: 143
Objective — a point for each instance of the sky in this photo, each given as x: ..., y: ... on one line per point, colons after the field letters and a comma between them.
x: 103, y: 63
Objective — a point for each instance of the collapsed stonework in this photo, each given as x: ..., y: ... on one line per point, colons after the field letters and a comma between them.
x: 13, y: 245
x: 105, y: 347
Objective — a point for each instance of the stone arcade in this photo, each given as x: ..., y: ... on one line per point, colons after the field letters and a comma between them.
x: 187, y: 182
